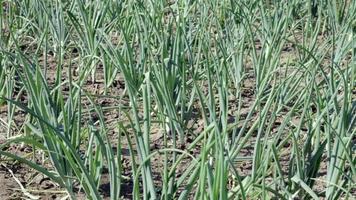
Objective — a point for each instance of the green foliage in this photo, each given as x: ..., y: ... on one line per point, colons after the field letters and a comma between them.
x: 276, y: 78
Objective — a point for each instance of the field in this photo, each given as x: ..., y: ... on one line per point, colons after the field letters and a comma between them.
x: 189, y: 99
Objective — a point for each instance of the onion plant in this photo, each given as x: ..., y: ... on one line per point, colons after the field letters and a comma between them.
x: 250, y: 99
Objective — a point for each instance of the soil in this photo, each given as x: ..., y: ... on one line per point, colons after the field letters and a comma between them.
x: 38, y: 185
x: 11, y: 190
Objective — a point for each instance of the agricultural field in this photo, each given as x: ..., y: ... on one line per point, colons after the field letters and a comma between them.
x: 188, y: 99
